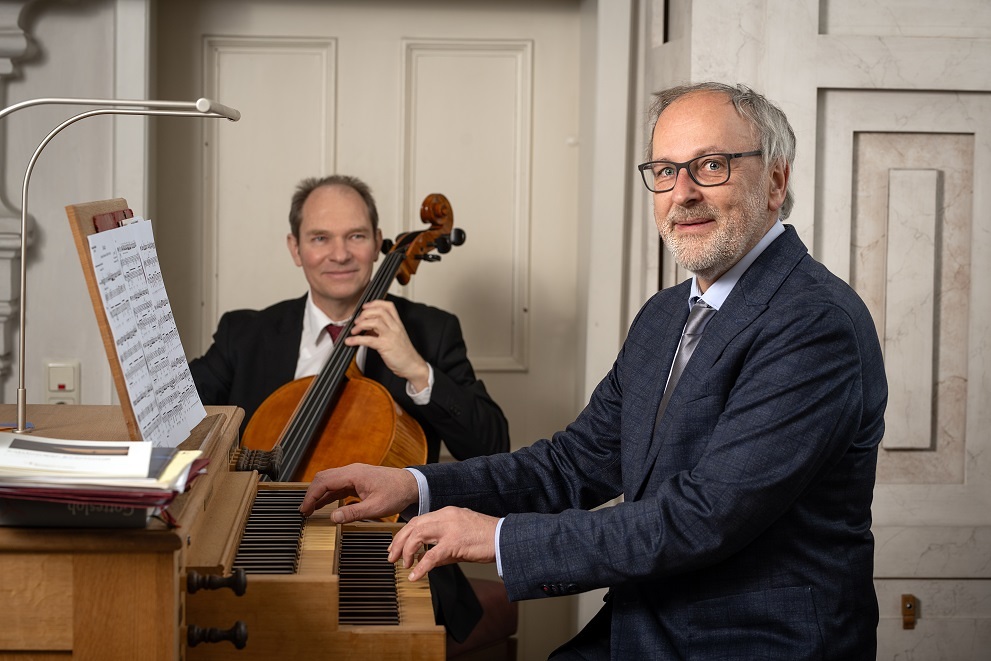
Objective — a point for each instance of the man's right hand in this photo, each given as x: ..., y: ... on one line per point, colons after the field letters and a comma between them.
x: 383, y: 492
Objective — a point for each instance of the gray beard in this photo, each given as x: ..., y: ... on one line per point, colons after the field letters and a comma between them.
x: 705, y: 257
x: 710, y: 257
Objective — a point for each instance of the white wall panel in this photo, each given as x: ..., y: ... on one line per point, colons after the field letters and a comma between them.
x: 868, y: 135
x: 953, y: 620
x: 904, y: 63
x: 906, y: 18
x: 909, y: 309
x: 484, y: 131
x: 285, y: 90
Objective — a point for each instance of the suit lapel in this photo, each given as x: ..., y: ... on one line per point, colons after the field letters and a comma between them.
x: 282, y: 343
x: 748, y: 300
x: 720, y: 330
x: 668, y: 333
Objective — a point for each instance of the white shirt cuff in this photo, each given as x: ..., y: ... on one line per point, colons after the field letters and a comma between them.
x: 498, y: 556
x: 424, y: 493
x: 423, y: 490
x: 422, y: 398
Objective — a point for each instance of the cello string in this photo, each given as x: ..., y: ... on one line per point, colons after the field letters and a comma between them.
x: 343, y: 354
x: 318, y: 398
x: 326, y: 386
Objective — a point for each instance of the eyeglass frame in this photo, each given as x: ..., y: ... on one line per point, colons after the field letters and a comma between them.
x: 678, y: 167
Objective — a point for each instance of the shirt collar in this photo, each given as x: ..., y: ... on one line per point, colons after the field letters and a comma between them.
x: 315, y: 321
x: 717, y: 293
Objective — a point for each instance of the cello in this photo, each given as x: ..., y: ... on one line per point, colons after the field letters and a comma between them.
x: 339, y: 416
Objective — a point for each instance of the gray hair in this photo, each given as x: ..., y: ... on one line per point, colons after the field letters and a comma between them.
x: 777, y: 139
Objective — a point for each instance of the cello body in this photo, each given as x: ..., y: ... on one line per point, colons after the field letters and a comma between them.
x: 366, y: 426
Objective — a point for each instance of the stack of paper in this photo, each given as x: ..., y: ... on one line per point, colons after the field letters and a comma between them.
x: 88, y: 483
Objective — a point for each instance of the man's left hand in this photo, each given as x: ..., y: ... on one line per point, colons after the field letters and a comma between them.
x: 378, y: 327
x: 456, y: 535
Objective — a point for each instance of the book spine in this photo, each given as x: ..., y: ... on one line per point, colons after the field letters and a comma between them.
x: 39, y: 514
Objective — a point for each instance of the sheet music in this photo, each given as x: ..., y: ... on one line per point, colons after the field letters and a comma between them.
x: 159, y: 384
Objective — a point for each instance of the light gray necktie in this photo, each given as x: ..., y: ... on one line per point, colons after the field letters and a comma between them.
x: 699, y: 316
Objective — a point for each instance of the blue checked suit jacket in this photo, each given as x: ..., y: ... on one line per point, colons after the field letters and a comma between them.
x: 745, y: 526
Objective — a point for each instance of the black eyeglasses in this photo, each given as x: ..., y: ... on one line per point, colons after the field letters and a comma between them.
x: 705, y: 170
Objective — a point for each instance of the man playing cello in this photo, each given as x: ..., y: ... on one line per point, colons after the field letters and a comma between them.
x: 416, y: 351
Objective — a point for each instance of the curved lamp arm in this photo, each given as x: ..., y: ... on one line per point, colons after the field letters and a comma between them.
x: 199, y: 108
x: 202, y: 105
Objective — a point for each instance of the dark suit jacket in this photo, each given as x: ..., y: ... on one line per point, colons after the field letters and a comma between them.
x: 254, y: 352
x: 745, y: 528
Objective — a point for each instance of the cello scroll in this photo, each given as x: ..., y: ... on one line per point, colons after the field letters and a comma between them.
x: 436, y: 212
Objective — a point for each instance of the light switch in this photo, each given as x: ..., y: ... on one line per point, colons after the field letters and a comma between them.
x: 62, y: 380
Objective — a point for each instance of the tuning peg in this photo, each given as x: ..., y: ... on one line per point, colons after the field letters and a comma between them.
x: 386, y: 246
x: 266, y: 462
x: 458, y: 236
x: 237, y: 634
x: 443, y: 244
x: 429, y: 257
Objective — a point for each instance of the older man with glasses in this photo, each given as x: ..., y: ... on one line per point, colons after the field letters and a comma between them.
x: 740, y: 423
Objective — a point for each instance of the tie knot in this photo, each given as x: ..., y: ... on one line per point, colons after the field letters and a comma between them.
x: 334, y: 331
x: 699, y: 316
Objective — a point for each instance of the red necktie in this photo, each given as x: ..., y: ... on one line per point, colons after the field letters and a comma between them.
x: 334, y: 330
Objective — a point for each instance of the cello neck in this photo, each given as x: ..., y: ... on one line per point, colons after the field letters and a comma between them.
x: 401, y: 262
x: 323, y: 393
